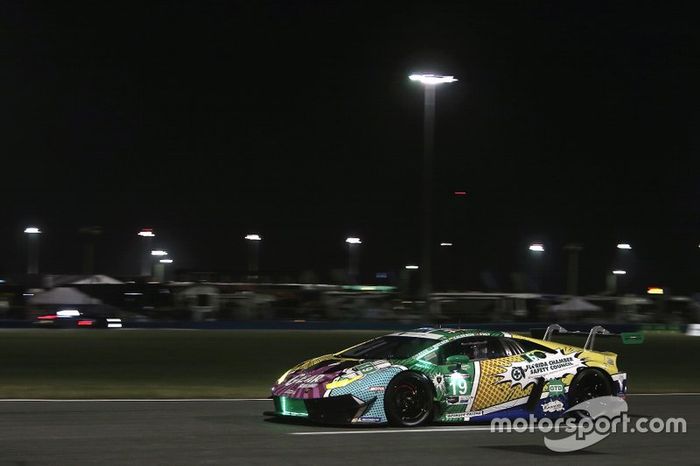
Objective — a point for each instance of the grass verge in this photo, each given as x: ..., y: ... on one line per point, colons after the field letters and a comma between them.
x: 244, y: 363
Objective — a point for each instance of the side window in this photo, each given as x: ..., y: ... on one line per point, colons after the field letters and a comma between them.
x: 477, y: 348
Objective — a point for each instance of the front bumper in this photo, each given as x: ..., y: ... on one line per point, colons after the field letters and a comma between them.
x: 343, y: 409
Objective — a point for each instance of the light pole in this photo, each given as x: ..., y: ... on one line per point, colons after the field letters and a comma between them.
x: 536, y: 252
x: 429, y: 82
x: 162, y: 268
x: 615, y: 277
x: 32, y: 250
x: 253, y: 240
x: 408, y: 279
x: 353, y: 257
x: 623, y: 262
x: 147, y: 234
x: 158, y: 269
x: 445, y: 266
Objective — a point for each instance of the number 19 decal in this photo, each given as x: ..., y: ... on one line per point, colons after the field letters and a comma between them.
x: 458, y: 386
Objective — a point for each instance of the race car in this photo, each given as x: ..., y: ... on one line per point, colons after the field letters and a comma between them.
x: 72, y: 318
x: 449, y: 375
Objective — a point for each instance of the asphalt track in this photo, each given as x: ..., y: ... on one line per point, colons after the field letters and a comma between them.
x: 234, y: 432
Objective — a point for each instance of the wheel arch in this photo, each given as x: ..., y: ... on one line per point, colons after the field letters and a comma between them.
x: 425, y: 380
x: 587, y: 370
x: 596, y: 368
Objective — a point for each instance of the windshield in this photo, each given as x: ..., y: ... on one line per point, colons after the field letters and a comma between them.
x: 389, y: 347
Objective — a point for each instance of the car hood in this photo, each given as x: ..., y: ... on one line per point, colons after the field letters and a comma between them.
x: 315, y: 378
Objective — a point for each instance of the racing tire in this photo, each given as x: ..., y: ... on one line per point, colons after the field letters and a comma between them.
x: 587, y: 384
x: 408, y: 400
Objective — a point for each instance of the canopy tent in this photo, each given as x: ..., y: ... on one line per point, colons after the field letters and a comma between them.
x: 63, y: 296
x: 51, y: 281
x: 97, y: 280
x: 575, y: 304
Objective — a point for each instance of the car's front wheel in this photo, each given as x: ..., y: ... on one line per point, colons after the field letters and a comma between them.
x: 587, y: 384
x: 408, y: 400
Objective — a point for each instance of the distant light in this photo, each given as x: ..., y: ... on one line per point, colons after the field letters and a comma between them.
x: 624, y: 246
x: 446, y: 244
x: 147, y: 232
x: 133, y: 293
x: 536, y: 247
x: 166, y: 261
x: 68, y: 313
x: 381, y: 275
x: 27, y: 294
x: 460, y: 193
x: 619, y: 272
x: 115, y: 325
x: 159, y: 252
x: 432, y: 78
x: 253, y: 237
x: 353, y: 240
x: 412, y: 267
x: 655, y: 290
x: 32, y: 230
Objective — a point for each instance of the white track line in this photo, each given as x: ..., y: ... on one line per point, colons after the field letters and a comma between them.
x: 120, y: 400
x: 397, y: 431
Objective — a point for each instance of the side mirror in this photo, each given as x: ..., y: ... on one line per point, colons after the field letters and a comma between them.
x: 458, y: 360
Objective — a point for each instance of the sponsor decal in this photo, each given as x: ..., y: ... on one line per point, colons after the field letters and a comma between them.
x: 369, y: 367
x: 305, y: 379
x: 370, y: 419
x: 439, y: 383
x: 376, y: 389
x: 555, y: 388
x: 343, y: 380
x: 459, y: 400
x: 540, y: 364
x: 464, y: 415
x: 553, y: 406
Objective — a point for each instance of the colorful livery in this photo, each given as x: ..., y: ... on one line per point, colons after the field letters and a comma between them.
x: 447, y: 375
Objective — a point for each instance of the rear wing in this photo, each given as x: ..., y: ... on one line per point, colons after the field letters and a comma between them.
x: 628, y: 338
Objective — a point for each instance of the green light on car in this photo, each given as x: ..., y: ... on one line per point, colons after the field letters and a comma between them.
x: 290, y: 406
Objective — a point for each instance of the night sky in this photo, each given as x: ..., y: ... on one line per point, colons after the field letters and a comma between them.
x: 571, y: 121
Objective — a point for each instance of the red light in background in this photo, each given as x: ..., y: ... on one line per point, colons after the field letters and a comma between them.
x: 47, y: 317
x: 460, y: 193
x: 85, y: 323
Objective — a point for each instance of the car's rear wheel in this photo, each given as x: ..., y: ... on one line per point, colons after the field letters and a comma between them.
x: 587, y: 384
x: 408, y: 400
